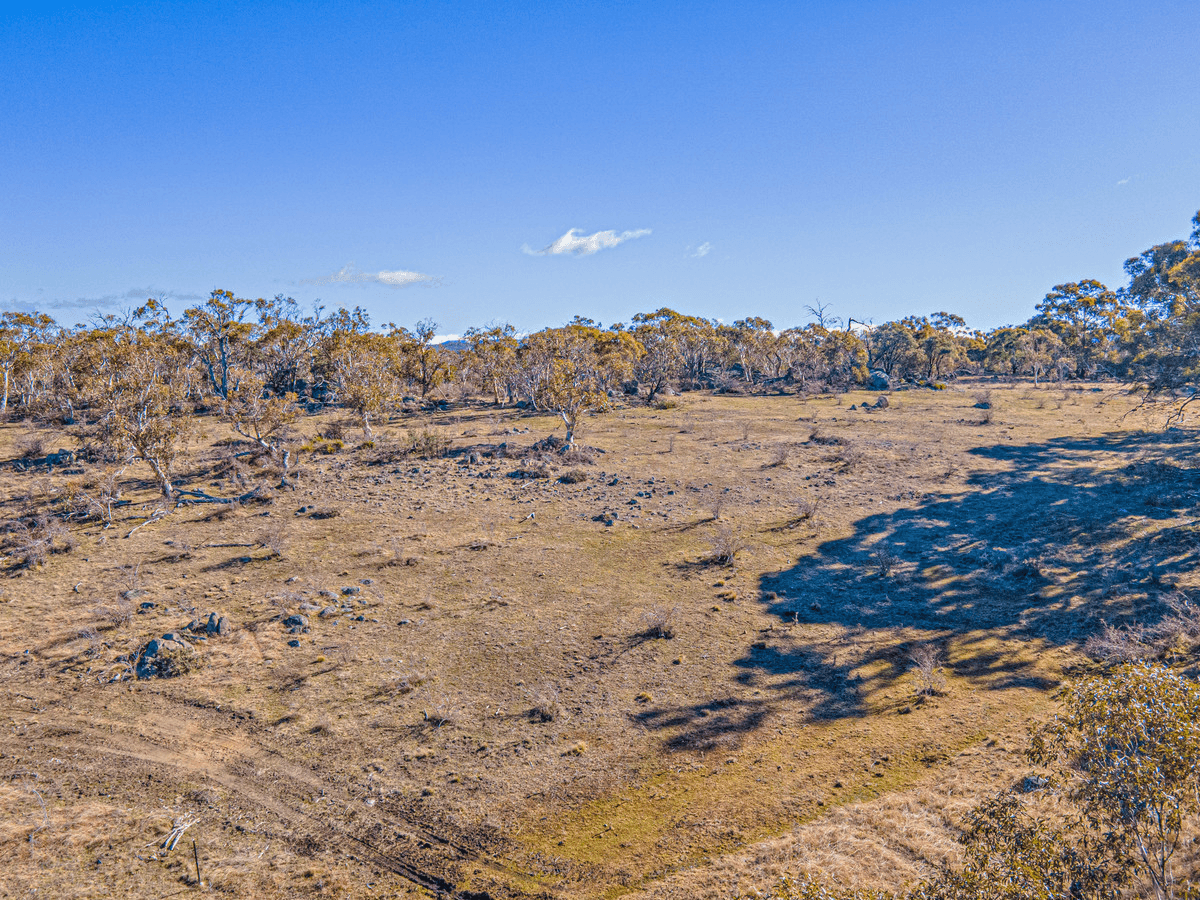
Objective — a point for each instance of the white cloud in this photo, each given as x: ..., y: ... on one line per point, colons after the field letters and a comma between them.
x: 1123, y: 181
x: 703, y: 250
x: 397, y: 278
x: 578, y: 244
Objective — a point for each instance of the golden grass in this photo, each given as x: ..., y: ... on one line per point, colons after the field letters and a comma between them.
x: 779, y: 721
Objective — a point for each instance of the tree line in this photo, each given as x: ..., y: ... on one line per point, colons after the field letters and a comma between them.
x: 259, y: 362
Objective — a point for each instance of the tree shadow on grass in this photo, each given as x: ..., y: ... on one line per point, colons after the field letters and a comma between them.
x: 1077, y: 532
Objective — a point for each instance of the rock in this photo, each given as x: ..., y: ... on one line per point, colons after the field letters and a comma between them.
x: 328, y: 595
x: 366, y: 581
x: 297, y: 624
x: 220, y: 627
x: 879, y: 380
x: 1033, y: 783
x: 853, y: 406
x: 983, y: 404
x: 293, y: 643
x: 327, y: 612
x: 881, y: 403
x: 351, y: 591
x: 161, y: 657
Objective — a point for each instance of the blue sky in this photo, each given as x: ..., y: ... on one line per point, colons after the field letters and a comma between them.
x: 731, y: 159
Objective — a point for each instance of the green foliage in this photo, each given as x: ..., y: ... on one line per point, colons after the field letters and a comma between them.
x: 1130, y: 745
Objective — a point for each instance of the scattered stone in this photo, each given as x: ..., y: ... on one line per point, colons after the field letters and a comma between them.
x: 327, y: 612
x: 293, y: 643
x: 307, y: 607
x: 163, y: 657
x: 297, y: 624
x: 351, y: 591
x: 881, y: 403
x: 983, y: 404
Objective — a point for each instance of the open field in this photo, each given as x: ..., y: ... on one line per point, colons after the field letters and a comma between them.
x: 677, y: 668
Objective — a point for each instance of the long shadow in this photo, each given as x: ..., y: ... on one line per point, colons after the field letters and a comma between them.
x: 1077, y: 532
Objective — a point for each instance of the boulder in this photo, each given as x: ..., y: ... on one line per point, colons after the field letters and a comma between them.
x: 297, y: 624
x: 327, y: 612
x: 879, y: 380
x: 881, y: 403
x: 163, y: 657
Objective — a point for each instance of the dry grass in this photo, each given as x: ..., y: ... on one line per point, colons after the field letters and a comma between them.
x: 510, y: 689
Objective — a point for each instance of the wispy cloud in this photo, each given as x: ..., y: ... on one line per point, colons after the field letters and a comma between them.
x: 701, y: 251
x: 578, y: 244
x: 396, y: 278
x: 1124, y: 181
x: 130, y: 298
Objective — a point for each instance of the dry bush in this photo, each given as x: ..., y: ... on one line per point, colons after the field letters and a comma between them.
x: 780, y: 455
x: 576, y: 456
x: 660, y: 622
x: 850, y: 455
x: 275, y: 539
x: 31, y: 446
x: 1119, y: 644
x: 530, y: 468
x: 726, y: 544
x: 807, y: 509
x: 399, y: 684
x: 1184, y: 620
x: 427, y: 443
x: 714, y: 502
x: 885, y: 561
x: 820, y: 437
x: 441, y: 712
x: 117, y: 613
x: 29, y: 544
x: 573, y: 476
x: 334, y: 431
x: 927, y: 669
x: 745, y: 432
x: 545, y: 705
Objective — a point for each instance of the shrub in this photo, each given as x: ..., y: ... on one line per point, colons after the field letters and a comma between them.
x: 660, y: 622
x: 427, y: 444
x: 546, y: 707
x: 32, y: 446
x: 727, y: 543
x: 573, y: 476
x: 927, y: 669
x: 807, y: 509
x: 1129, y: 745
